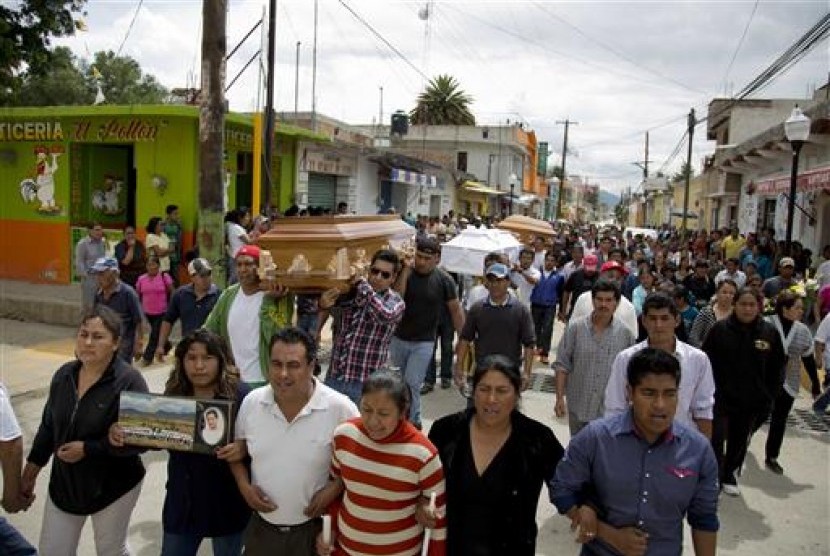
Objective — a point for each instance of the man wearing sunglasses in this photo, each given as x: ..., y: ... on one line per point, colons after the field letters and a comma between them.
x: 371, y: 311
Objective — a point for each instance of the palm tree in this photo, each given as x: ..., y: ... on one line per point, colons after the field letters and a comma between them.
x: 443, y: 103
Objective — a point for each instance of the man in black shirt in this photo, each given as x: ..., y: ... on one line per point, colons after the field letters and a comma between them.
x: 699, y: 283
x: 424, y: 288
x: 581, y: 281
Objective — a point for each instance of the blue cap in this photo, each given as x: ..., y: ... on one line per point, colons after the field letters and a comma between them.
x: 104, y: 263
x: 498, y: 270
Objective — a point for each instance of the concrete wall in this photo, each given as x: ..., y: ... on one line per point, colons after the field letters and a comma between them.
x: 368, y: 188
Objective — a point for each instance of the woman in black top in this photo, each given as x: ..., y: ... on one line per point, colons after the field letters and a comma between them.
x: 89, y: 476
x: 495, y: 460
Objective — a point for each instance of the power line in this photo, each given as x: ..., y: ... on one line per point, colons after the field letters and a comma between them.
x: 130, y: 28
x: 740, y: 41
x: 615, y: 51
x: 383, y: 39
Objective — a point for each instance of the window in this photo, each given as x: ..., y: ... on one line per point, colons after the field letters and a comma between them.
x: 461, y: 161
x: 768, y: 214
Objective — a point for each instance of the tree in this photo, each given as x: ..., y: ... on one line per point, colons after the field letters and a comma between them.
x: 122, y: 80
x: 71, y: 81
x: 63, y: 84
x: 26, y: 28
x: 443, y: 103
x: 685, y: 170
x: 554, y: 172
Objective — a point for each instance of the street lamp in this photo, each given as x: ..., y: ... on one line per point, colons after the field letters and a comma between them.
x: 513, y: 179
x: 797, y: 130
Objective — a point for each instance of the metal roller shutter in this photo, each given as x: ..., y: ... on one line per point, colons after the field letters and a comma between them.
x: 321, y: 190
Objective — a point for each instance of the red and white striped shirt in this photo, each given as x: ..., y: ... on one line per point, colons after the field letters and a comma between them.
x: 384, y: 481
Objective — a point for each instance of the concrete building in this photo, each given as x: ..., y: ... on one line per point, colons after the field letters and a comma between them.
x: 749, y: 174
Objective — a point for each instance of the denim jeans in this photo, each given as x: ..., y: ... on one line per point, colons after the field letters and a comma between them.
x: 446, y: 334
x: 12, y: 542
x: 412, y: 358
x: 543, y: 324
x: 188, y: 545
x: 152, y: 343
x: 352, y: 389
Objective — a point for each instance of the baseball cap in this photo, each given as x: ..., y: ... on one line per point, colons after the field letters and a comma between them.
x: 428, y: 245
x: 613, y: 265
x: 787, y: 261
x: 199, y: 266
x: 104, y: 264
x: 590, y: 262
x: 498, y: 270
x: 252, y: 251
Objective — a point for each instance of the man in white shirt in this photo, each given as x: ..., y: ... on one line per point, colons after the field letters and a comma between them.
x: 731, y: 272
x: 696, y: 397
x: 287, y: 427
x: 539, y: 252
x: 11, y: 459
x: 524, y: 277
x: 615, y: 272
x: 246, y: 316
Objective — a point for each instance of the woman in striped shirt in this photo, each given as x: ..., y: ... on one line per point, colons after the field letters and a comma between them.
x: 389, y: 470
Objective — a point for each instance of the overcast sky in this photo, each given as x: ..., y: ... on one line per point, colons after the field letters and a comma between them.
x: 617, y: 68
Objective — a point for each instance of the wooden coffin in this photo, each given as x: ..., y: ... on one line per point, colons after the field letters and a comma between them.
x: 318, y: 253
x: 526, y: 228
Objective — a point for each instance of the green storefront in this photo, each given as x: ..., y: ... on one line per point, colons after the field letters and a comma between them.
x: 64, y: 167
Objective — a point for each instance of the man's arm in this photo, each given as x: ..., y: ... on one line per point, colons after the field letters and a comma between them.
x: 819, y: 354
x: 615, y: 397
x: 402, y: 280
x: 527, y: 365
x: 462, y: 348
x: 11, y: 460
x: 705, y: 542
x: 705, y: 427
x: 456, y: 313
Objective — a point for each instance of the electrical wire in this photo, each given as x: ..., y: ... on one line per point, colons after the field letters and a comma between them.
x: 383, y: 39
x: 130, y: 28
x: 615, y: 51
x: 740, y: 41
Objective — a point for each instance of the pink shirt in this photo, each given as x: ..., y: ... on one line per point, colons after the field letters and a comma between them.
x: 153, y: 292
x: 824, y: 300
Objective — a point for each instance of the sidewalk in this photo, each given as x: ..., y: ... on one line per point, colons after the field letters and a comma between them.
x: 57, y: 304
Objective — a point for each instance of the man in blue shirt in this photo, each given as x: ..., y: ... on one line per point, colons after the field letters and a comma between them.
x: 641, y: 472
x: 543, y: 301
x: 191, y: 303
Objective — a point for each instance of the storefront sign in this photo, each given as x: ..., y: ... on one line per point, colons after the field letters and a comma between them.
x: 808, y: 181
x: 239, y: 139
x: 31, y: 131
x: 412, y: 178
x: 326, y: 163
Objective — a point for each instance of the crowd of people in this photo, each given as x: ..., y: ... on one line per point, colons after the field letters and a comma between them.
x: 673, y: 354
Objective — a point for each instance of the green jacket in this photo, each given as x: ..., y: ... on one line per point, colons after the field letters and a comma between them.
x: 274, y: 315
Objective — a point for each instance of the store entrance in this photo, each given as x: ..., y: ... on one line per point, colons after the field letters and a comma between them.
x: 103, y: 185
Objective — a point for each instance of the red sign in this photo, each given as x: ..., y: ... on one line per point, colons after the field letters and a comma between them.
x: 806, y: 182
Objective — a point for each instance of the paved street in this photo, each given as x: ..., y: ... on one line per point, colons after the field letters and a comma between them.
x: 786, y: 515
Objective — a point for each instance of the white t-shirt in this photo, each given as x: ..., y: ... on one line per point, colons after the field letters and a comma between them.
x: 235, y: 232
x: 523, y: 287
x: 823, y: 336
x: 823, y: 273
x: 163, y: 242
x: 625, y: 311
x: 9, y: 427
x: 243, y: 330
x: 291, y: 461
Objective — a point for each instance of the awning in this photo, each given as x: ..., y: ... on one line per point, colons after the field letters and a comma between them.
x: 478, y: 187
x: 805, y: 182
x: 413, y: 178
x: 526, y: 199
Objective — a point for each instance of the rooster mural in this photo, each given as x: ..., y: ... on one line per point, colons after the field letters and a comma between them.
x: 42, y: 186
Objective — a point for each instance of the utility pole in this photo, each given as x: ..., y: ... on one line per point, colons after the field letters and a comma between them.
x: 567, y: 123
x: 297, y: 83
x: 643, y: 165
x: 688, y: 177
x: 268, y: 143
x: 210, y: 234
x: 314, y: 72
x: 380, y: 109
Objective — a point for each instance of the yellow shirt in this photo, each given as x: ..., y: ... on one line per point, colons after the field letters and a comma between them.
x: 732, y: 247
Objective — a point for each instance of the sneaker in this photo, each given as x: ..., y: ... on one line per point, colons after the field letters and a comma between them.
x: 731, y: 490
x: 774, y: 466
x: 446, y: 383
x: 427, y: 388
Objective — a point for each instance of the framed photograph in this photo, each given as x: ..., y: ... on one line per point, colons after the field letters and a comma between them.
x: 169, y: 423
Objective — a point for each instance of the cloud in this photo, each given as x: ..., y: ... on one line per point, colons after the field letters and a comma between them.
x: 618, y: 68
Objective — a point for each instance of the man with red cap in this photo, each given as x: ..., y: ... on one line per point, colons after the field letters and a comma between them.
x: 232, y: 317
x: 613, y: 271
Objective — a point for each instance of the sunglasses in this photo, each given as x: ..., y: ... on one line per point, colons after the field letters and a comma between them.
x: 385, y: 274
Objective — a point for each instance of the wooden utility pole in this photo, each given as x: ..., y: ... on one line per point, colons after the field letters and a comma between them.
x: 567, y: 124
x: 210, y: 236
x: 268, y: 142
x: 692, y: 122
